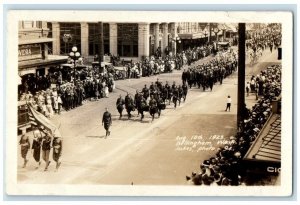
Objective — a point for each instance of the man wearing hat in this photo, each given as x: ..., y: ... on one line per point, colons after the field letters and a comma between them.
x: 46, y: 147
x: 36, y: 146
x: 106, y: 121
x: 25, y: 146
x: 57, y: 151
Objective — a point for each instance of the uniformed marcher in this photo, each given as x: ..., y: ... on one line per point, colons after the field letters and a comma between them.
x: 152, y: 107
x: 129, y: 105
x: 160, y: 105
x: 57, y: 151
x: 145, y: 92
x: 185, y: 91
x: 175, y: 96
x: 120, y: 105
x: 106, y: 121
x: 180, y: 94
x: 143, y: 107
x: 25, y: 146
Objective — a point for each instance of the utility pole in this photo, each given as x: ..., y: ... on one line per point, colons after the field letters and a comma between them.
x: 101, y: 45
x: 241, y: 72
x: 209, y: 33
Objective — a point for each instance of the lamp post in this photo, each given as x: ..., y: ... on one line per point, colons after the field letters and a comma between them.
x: 216, y: 30
x: 178, y: 41
x: 224, y: 33
x: 205, y: 34
x: 74, y: 55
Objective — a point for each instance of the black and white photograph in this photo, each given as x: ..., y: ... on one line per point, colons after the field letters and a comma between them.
x: 149, y: 103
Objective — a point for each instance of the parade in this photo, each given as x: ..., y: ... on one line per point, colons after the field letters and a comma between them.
x: 88, y: 109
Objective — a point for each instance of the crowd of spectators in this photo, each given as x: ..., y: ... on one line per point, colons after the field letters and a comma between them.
x: 157, y: 64
x: 225, y: 167
x: 72, y: 87
x: 267, y: 37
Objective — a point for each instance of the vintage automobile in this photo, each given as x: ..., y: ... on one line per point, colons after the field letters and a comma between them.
x: 222, y: 46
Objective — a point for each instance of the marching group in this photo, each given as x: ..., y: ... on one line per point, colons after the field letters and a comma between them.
x: 206, y: 75
x: 270, y: 37
x: 42, y: 143
x: 152, y: 99
x: 225, y: 168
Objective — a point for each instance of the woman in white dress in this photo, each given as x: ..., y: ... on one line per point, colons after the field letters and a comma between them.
x: 49, y: 105
x: 106, y: 91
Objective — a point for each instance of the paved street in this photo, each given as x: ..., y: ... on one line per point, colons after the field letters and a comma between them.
x: 142, y: 153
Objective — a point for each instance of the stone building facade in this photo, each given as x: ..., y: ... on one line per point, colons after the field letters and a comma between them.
x: 128, y: 40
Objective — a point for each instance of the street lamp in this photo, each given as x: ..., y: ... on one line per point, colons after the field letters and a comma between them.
x: 216, y: 30
x: 74, y: 55
x: 205, y: 34
x: 177, y: 41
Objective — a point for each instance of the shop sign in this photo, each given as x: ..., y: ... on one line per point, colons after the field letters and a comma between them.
x: 28, y: 52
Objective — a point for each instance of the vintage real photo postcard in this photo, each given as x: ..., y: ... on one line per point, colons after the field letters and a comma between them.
x: 160, y: 103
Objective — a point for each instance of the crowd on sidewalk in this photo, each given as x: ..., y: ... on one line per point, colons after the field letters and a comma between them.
x: 90, y: 84
x: 225, y: 167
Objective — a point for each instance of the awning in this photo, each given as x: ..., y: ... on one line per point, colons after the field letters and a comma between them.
x: 27, y: 71
x: 51, y: 60
x: 185, y: 35
x: 194, y: 35
x: 36, y: 40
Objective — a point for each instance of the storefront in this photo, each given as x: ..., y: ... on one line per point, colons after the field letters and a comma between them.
x: 34, y: 64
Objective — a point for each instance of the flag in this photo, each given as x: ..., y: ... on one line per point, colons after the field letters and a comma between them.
x: 39, y: 118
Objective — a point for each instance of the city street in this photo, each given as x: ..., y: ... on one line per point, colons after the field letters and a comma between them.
x: 143, y: 153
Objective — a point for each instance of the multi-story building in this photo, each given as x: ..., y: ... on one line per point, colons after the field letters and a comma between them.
x: 33, y: 49
x: 128, y: 40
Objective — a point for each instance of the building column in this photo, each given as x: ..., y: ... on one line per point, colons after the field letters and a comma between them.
x: 56, y: 38
x: 84, y: 27
x: 143, y: 39
x: 45, y: 51
x: 164, y: 38
x: 113, y: 39
x: 174, y: 36
x: 156, y: 33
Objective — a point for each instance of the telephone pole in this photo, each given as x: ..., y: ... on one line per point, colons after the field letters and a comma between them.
x: 241, y: 72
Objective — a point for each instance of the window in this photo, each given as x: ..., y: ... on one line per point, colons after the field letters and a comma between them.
x: 28, y: 24
x: 39, y: 24
x: 128, y: 40
x: 70, y: 35
x: 94, y: 38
